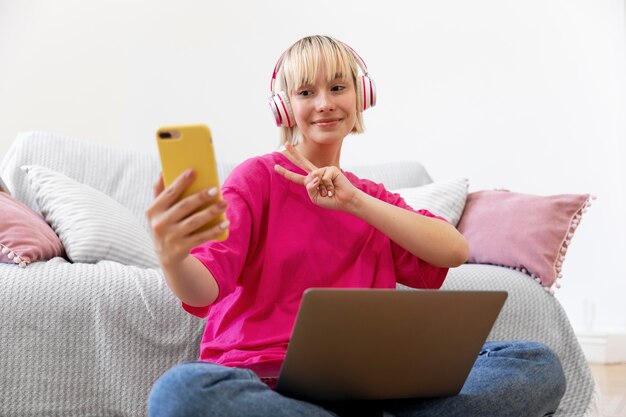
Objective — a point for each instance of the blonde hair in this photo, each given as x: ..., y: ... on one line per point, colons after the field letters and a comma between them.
x: 300, y: 65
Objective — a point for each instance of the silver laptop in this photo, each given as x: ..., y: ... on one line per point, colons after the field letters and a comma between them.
x: 370, y: 344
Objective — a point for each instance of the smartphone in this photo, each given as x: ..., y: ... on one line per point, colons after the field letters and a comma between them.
x: 190, y: 147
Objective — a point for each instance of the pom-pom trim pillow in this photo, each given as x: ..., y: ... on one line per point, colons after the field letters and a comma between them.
x: 25, y: 237
x: 530, y: 233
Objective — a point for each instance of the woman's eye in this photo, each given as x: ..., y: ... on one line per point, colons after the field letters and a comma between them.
x: 338, y: 88
x: 304, y: 93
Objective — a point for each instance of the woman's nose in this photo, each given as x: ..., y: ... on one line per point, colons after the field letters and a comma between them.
x: 325, y: 101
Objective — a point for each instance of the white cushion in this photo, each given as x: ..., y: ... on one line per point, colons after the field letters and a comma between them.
x: 445, y: 198
x: 92, y: 226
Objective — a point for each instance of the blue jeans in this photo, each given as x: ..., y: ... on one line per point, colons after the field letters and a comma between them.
x: 508, y: 379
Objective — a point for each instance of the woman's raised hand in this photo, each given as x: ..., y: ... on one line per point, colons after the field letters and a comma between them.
x: 174, y: 223
x: 327, y: 186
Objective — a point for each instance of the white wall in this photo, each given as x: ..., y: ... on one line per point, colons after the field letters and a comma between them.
x: 526, y: 95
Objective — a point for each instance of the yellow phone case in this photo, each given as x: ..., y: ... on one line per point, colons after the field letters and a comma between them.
x: 190, y: 147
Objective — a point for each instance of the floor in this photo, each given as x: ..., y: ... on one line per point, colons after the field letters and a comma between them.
x: 612, y: 382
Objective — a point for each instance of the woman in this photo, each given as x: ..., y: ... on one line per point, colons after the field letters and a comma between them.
x: 297, y: 221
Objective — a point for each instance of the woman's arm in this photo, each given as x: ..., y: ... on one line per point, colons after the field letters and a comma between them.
x: 432, y: 240
x: 174, y: 226
x: 435, y: 241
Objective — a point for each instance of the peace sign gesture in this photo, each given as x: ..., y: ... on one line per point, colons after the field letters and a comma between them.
x: 327, y: 187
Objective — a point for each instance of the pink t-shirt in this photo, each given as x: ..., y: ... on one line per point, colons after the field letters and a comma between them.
x: 280, y: 244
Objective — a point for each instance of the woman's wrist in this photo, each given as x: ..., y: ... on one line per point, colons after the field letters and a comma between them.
x: 357, y: 203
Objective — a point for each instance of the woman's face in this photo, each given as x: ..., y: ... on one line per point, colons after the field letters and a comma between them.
x: 325, y: 112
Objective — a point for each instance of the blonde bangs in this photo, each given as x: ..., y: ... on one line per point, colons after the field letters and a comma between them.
x: 303, y: 61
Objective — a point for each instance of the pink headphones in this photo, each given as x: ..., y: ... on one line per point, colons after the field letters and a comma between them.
x: 279, y: 100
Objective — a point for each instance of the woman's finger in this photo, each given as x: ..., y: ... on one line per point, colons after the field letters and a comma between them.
x: 298, y: 159
x: 323, y: 186
x: 181, y: 220
x: 312, y: 187
x: 199, y: 238
x: 158, y: 186
x: 199, y: 218
x: 326, y: 181
x: 167, y: 197
x: 193, y: 203
x: 291, y: 176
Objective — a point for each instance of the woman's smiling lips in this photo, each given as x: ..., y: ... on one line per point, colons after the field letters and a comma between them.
x: 326, y: 122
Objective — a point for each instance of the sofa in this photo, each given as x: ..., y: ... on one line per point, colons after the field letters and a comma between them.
x: 88, y: 331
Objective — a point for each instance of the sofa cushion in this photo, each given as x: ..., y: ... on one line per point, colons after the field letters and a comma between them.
x: 92, y: 226
x: 523, y: 231
x: 25, y: 237
x: 126, y: 176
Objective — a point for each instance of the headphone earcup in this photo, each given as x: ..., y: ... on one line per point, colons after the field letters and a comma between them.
x: 366, y: 89
x: 281, y: 108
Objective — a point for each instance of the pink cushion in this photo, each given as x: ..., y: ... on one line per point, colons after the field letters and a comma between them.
x: 528, y: 232
x: 24, y: 235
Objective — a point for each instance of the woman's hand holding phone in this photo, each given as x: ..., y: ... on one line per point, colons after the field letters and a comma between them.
x: 174, y: 223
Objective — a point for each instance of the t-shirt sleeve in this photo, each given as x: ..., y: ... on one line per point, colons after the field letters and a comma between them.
x: 411, y: 270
